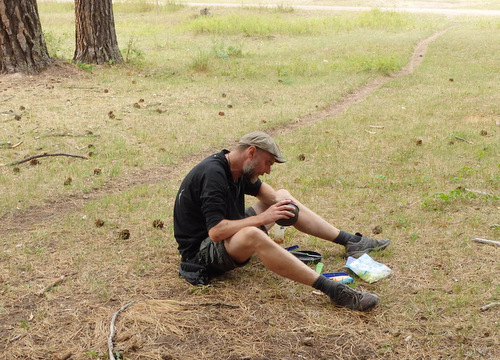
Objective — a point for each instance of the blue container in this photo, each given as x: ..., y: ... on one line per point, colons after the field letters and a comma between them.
x: 340, y: 277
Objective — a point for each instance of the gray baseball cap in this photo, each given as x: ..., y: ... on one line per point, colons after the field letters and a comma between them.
x: 264, y: 142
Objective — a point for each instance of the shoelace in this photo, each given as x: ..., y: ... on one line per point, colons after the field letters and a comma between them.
x: 348, y: 297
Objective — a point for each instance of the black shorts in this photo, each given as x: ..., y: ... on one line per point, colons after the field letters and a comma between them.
x: 213, y: 255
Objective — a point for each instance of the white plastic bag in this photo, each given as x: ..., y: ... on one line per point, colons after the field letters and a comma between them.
x: 368, y: 269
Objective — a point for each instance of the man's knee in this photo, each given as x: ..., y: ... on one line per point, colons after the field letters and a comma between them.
x: 245, y: 243
x: 283, y: 194
x: 252, y: 237
x: 252, y: 233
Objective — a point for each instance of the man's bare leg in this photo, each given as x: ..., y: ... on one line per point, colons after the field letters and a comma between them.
x: 309, y: 222
x: 252, y: 240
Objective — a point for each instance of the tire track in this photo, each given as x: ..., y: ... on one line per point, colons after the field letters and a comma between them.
x: 53, y: 209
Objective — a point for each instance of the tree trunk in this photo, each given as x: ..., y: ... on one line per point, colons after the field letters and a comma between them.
x: 95, y: 32
x: 22, y: 45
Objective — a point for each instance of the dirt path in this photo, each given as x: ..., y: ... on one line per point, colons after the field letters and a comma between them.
x: 20, y: 222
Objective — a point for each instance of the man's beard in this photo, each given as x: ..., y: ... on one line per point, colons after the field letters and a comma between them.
x: 249, y: 173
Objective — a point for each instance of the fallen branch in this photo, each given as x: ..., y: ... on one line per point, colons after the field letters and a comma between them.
x: 487, y: 307
x: 16, y: 145
x: 16, y: 337
x: 72, y: 135
x: 486, y: 241
x: 42, y: 155
x: 8, y: 145
x: 152, y: 104
x: 216, y: 304
x: 467, y: 141
x: 112, y: 331
x: 478, y: 192
x: 377, y: 127
x: 53, y: 285
x: 370, y: 132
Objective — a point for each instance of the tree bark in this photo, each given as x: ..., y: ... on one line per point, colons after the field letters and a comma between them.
x: 95, y: 32
x: 22, y: 45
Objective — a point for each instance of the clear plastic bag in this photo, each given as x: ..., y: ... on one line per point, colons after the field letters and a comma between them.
x: 368, y: 269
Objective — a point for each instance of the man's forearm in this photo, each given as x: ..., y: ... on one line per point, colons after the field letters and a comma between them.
x: 227, y: 228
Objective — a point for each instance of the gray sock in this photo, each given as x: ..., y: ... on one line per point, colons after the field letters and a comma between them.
x: 345, y: 237
x: 325, y: 285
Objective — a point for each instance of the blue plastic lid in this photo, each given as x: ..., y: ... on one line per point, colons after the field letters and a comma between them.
x: 346, y: 280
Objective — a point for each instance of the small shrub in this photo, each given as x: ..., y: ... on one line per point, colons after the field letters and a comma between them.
x: 200, y: 62
x: 223, y: 52
x: 132, y: 54
x: 86, y: 67
x: 53, y: 43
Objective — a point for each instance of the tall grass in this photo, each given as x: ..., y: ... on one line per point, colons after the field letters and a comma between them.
x: 273, y: 24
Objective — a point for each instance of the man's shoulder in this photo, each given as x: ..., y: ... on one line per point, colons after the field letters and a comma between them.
x: 212, y: 166
x: 215, y: 161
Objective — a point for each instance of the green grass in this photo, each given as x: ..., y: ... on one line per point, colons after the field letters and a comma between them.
x: 283, y: 24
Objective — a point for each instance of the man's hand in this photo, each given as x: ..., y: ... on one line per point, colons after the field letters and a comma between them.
x: 280, y: 210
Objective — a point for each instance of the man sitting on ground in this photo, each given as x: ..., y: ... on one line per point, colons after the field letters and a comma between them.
x: 216, y: 234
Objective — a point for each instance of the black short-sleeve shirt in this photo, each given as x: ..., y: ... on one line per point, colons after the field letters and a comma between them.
x: 207, y: 196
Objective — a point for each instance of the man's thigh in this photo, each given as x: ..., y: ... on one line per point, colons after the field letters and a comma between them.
x: 215, y: 257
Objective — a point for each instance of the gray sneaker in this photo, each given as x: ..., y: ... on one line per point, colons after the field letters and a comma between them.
x: 364, y: 246
x: 354, y: 299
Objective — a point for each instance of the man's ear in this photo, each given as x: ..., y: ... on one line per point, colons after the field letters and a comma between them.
x: 252, y: 152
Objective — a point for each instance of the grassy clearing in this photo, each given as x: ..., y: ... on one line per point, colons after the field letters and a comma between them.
x: 254, y: 80
x: 147, y: 122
